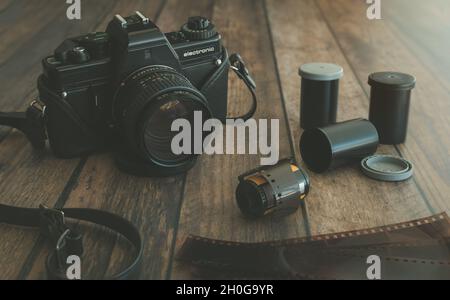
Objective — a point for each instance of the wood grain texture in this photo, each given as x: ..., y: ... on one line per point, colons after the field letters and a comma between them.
x: 428, y: 40
x: 15, y: 30
x: 209, y: 206
x: 342, y: 199
x: 4, y: 5
x: 373, y: 46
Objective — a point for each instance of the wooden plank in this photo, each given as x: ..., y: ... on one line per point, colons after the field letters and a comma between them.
x: 5, y: 4
x: 372, y: 46
x: 15, y: 30
x: 28, y: 178
x: 342, y: 199
x: 14, y: 34
x: 423, y: 26
x: 151, y: 204
x: 209, y: 206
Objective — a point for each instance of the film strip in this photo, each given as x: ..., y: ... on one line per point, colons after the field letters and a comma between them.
x: 411, y: 250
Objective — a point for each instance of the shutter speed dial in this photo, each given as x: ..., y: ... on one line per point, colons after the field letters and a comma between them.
x: 198, y: 28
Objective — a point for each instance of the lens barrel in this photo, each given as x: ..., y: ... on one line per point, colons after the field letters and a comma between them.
x: 145, y: 106
x: 275, y: 190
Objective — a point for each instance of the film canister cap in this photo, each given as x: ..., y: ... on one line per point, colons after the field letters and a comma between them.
x: 387, y: 168
x: 321, y: 71
x: 392, y: 80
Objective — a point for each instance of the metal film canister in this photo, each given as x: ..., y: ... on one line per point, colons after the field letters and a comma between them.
x: 335, y: 145
x: 390, y: 99
x: 319, y: 94
x: 275, y: 190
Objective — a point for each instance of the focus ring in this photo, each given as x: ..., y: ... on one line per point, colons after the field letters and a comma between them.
x: 142, y: 89
x: 149, y: 82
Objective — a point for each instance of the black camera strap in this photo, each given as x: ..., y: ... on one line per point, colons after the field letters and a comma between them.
x: 236, y: 63
x: 66, y: 241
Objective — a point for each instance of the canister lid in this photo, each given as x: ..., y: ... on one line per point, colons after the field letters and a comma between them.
x: 321, y: 71
x: 392, y: 80
x: 387, y: 168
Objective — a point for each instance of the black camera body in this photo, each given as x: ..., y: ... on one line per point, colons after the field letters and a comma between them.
x: 87, y: 71
x: 123, y: 89
x: 91, y: 85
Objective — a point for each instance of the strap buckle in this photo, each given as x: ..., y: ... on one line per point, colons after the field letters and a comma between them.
x: 39, y: 108
x: 67, y: 242
x: 238, y: 65
x: 53, y: 223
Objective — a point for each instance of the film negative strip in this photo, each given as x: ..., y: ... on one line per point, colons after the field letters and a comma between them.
x: 410, y: 250
x: 430, y: 250
x: 354, y: 265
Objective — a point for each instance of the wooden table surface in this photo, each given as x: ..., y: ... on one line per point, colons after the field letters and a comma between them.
x: 275, y: 37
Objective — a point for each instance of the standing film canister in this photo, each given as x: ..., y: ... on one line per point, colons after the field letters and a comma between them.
x: 390, y: 99
x: 335, y: 145
x: 319, y: 94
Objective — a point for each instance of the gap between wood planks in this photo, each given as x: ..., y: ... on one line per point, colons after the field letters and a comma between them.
x: 303, y: 206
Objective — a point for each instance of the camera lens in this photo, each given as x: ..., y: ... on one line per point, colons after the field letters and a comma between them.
x: 156, y: 130
x: 145, y: 107
x: 272, y: 190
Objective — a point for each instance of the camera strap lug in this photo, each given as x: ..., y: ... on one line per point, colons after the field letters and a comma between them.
x: 31, y: 123
x: 235, y: 63
x: 67, y: 242
x: 238, y: 65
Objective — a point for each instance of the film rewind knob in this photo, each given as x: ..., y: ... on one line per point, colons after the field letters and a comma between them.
x: 198, y: 28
